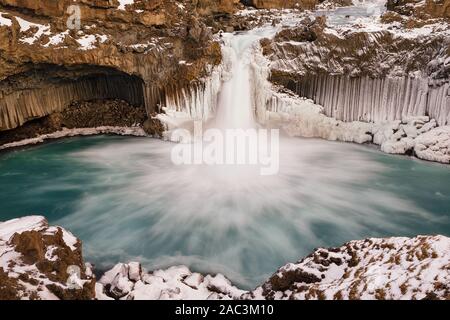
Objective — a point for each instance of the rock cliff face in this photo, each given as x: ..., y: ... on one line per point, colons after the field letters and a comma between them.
x: 36, y: 262
x: 368, y: 69
x: 131, y: 52
x: 420, y: 8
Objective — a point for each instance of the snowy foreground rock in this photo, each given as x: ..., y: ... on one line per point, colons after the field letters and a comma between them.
x: 36, y: 262
x: 391, y: 268
x: 131, y: 282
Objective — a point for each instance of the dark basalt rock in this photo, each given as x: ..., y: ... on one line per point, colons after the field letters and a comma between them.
x: 300, y: 34
x: 86, y: 114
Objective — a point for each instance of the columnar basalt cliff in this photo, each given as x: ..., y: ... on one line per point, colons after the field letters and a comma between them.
x: 372, y: 74
x: 132, y: 52
x: 364, y: 76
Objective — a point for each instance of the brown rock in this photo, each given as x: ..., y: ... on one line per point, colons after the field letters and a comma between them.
x: 31, y: 245
x: 280, y: 4
x: 44, y: 254
x: 9, y: 288
x: 39, y: 80
x: 86, y: 293
x: 154, y: 127
x: 283, y: 281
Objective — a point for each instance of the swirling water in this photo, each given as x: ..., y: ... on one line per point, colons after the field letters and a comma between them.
x: 127, y: 201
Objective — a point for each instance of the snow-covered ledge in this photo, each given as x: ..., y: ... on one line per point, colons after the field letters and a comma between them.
x: 64, y: 133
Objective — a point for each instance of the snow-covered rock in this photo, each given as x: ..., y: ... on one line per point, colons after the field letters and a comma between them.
x: 38, y: 261
x: 434, y: 145
x: 175, y: 283
x: 391, y: 268
x: 399, y: 137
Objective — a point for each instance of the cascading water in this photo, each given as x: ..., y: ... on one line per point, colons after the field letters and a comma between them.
x: 238, y: 98
x: 235, y: 95
x: 235, y: 103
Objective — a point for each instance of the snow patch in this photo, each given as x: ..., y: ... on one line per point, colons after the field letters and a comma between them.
x: 5, y: 21
x: 123, y: 131
x: 124, y: 3
x: 27, y: 25
x: 19, y: 225
x: 57, y: 39
x: 87, y: 42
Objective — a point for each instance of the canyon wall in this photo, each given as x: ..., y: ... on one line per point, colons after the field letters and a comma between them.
x: 164, y: 54
x: 20, y: 106
x: 147, y: 47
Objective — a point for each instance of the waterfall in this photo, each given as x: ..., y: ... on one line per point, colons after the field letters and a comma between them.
x: 237, y: 104
x: 234, y: 95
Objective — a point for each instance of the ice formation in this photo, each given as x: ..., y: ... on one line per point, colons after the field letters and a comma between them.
x: 376, y: 100
x: 198, y: 101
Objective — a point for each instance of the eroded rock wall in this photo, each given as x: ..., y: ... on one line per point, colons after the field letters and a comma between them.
x: 163, y: 43
x: 41, y: 99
